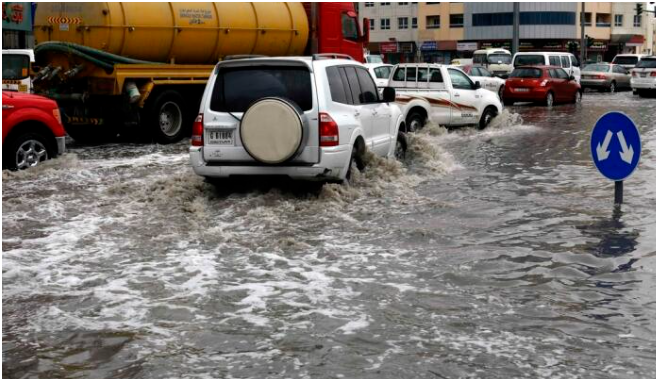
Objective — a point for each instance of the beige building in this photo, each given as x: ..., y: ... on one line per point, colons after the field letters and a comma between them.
x: 629, y: 30
x: 441, y: 27
x: 393, y: 29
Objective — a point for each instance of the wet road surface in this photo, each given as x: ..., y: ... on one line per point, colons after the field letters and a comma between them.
x: 492, y: 253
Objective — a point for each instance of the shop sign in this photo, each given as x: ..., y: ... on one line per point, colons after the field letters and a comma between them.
x: 553, y: 45
x: 17, y: 16
x: 388, y: 47
x: 428, y: 45
x: 467, y: 46
x: 599, y: 45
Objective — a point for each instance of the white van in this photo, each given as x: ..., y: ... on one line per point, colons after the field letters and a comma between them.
x: 16, y: 67
x: 627, y: 60
x: 497, y: 61
x: 567, y: 61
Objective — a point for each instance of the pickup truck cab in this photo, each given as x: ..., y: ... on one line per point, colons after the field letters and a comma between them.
x: 32, y: 130
x: 442, y: 94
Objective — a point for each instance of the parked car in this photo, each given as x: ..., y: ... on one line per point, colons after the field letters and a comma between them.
x: 627, y: 60
x: 380, y: 73
x: 496, y: 60
x: 304, y: 117
x: 605, y: 76
x: 546, y: 84
x: 643, y: 77
x: 486, y: 78
x: 32, y: 130
x: 566, y: 61
x: 442, y: 94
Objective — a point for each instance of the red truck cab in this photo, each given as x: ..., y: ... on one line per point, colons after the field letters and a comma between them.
x: 334, y: 28
x: 32, y: 130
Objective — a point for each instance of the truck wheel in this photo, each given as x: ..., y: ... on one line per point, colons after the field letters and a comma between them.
x: 27, y: 150
x: 166, y: 116
x: 487, y: 116
x: 415, y: 121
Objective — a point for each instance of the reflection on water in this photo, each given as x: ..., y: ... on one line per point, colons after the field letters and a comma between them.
x: 610, y: 236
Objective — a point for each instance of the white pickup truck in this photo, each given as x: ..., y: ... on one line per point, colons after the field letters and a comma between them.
x: 442, y: 94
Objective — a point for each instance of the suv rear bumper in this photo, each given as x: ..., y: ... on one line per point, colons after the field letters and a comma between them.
x: 332, y: 166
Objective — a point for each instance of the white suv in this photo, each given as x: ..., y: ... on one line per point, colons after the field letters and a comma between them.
x: 303, y: 117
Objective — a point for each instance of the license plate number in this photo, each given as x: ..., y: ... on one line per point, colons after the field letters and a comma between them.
x: 521, y: 90
x: 222, y: 138
x: 643, y: 75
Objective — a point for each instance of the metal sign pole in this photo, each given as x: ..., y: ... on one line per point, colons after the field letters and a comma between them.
x: 619, y: 192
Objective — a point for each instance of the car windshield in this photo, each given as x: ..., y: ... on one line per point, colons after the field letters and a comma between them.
x: 15, y: 66
x: 526, y: 60
x: 647, y: 63
x: 500, y: 58
x: 628, y: 60
x: 526, y: 72
x: 237, y: 88
x: 603, y: 68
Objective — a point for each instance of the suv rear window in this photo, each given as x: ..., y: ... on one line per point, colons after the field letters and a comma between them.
x: 237, y: 88
x: 528, y: 60
x: 649, y: 63
x: 526, y: 73
x: 15, y: 66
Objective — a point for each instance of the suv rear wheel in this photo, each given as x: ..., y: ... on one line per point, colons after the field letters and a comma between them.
x: 401, y: 146
x: 356, y: 160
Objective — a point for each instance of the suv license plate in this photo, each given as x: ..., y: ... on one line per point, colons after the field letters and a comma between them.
x: 222, y: 138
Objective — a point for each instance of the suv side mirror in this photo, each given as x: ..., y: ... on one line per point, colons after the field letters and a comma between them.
x: 388, y: 94
x: 476, y: 85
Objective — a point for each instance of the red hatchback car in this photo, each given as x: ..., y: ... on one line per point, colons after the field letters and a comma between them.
x: 32, y: 130
x: 545, y: 84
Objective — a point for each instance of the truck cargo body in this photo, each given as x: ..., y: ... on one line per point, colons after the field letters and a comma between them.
x: 142, y: 67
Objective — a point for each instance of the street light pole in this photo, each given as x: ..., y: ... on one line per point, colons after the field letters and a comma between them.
x: 515, y: 29
x: 583, y: 43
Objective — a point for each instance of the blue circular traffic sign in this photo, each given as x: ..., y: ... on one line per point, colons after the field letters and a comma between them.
x: 615, y: 145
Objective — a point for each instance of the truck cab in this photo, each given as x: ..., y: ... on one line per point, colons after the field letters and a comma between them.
x: 16, y: 69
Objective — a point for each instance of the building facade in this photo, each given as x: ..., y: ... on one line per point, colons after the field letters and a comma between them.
x: 393, y: 30
x: 17, y: 25
x: 442, y: 31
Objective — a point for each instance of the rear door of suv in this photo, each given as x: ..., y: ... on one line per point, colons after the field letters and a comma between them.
x: 236, y: 85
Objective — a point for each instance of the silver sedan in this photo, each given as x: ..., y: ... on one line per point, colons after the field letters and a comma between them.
x: 605, y: 76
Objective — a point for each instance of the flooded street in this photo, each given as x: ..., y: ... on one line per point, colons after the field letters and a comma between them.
x: 492, y: 254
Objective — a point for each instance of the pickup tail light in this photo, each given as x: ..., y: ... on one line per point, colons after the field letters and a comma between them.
x: 57, y: 115
x: 328, y: 131
x: 197, y: 131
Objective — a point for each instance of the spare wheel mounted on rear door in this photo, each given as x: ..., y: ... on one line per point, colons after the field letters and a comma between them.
x: 272, y: 130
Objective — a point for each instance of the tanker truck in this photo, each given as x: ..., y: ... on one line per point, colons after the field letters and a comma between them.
x: 140, y: 68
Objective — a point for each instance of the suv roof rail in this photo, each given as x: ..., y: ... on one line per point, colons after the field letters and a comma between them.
x: 320, y: 56
x: 242, y: 56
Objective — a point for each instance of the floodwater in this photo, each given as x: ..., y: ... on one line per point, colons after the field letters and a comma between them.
x: 493, y: 253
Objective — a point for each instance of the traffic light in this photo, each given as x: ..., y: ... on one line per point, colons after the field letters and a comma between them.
x: 638, y: 9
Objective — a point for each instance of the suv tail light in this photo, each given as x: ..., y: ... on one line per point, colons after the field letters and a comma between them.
x: 653, y: 73
x: 328, y: 131
x: 634, y: 73
x: 197, y: 131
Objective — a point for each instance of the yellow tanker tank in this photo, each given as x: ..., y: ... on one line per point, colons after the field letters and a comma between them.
x: 181, y: 33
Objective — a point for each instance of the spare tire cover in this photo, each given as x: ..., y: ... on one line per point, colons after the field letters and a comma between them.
x: 272, y: 130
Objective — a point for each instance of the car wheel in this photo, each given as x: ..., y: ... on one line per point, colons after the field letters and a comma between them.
x: 613, y: 87
x: 549, y: 99
x: 578, y: 97
x: 415, y: 121
x: 26, y: 151
x: 487, y: 116
x: 401, y: 147
x: 500, y: 92
x: 166, y: 116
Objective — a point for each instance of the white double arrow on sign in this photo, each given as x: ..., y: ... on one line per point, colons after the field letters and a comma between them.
x: 626, y: 153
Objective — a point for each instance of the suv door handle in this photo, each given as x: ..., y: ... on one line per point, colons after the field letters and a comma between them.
x: 456, y: 94
x: 356, y: 113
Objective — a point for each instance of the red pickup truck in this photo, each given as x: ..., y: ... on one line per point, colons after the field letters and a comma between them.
x: 32, y: 130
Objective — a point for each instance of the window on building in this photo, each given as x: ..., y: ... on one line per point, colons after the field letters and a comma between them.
x: 433, y: 3
x: 385, y: 24
x: 619, y: 20
x: 372, y: 24
x: 414, y: 23
x: 403, y: 23
x: 492, y: 19
x: 603, y: 20
x: 588, y: 19
x: 403, y: 3
x: 637, y: 21
x: 457, y: 21
x: 369, y: 5
x: 433, y: 22
x: 384, y: 4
